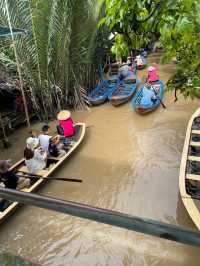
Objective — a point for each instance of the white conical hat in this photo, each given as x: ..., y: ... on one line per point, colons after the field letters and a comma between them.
x: 63, y: 115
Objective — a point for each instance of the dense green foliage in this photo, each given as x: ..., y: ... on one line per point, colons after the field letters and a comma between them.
x: 181, y: 40
x: 56, y: 54
x: 136, y: 23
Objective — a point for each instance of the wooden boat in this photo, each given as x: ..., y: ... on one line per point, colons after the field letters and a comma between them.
x: 53, y: 162
x: 189, y: 176
x: 124, y: 91
x: 100, y: 94
x: 149, y: 105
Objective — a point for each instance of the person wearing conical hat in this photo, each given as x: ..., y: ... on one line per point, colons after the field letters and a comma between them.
x: 152, y: 74
x: 65, y: 123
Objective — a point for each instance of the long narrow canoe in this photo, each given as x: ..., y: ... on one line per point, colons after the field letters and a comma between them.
x: 124, y: 91
x: 189, y: 176
x: 53, y: 163
x: 100, y: 94
x: 148, y: 105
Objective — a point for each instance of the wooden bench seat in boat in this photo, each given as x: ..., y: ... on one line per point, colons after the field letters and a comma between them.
x: 194, y: 158
x: 25, y: 170
x: 195, y: 143
x: 193, y: 177
x: 196, y: 132
x: 54, y: 158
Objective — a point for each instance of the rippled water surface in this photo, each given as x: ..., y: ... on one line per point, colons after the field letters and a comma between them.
x: 128, y: 163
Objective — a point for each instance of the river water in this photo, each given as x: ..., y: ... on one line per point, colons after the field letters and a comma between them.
x: 128, y: 163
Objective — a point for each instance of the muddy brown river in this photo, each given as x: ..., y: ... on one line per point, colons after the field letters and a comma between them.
x: 128, y: 163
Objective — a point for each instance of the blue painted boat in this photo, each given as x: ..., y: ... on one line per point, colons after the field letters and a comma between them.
x: 124, y: 91
x: 102, y: 90
x: 148, y: 99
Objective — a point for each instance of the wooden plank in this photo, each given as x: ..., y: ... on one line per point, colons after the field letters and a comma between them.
x: 195, y: 132
x: 194, y: 158
x: 54, y: 158
x: 193, y: 177
x: 195, y: 143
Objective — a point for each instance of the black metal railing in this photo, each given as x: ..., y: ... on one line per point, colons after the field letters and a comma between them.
x: 146, y: 226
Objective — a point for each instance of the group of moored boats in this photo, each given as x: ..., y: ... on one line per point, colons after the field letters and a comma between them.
x: 119, y: 91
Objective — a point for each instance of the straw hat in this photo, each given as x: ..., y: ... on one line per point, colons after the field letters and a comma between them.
x: 63, y: 115
x: 32, y: 143
x: 4, y: 165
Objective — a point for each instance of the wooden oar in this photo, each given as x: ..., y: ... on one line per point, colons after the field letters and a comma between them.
x: 159, y: 98
x: 49, y: 178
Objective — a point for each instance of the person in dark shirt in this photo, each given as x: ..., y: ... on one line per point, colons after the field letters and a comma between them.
x: 8, y: 178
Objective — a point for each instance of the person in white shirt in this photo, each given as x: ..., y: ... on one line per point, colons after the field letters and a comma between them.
x: 44, y: 138
x: 35, y: 157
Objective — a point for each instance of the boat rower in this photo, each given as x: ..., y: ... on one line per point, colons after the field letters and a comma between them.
x: 10, y: 179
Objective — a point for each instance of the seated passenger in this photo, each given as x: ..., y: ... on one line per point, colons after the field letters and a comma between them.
x: 148, y: 95
x: 44, y: 138
x: 10, y: 179
x: 152, y: 74
x: 139, y: 60
x: 35, y: 156
x: 66, y: 127
x: 56, y: 148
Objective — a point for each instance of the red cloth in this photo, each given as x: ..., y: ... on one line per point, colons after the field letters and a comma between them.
x: 67, y: 126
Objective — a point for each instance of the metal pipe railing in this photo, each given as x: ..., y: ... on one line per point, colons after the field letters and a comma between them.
x: 146, y: 226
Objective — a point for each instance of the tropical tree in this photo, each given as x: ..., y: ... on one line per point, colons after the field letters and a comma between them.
x: 181, y: 40
x: 56, y: 54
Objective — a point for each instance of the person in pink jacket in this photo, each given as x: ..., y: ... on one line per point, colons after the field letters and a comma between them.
x: 66, y: 123
x: 152, y: 74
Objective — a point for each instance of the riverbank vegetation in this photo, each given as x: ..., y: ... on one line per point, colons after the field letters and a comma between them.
x: 56, y: 55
